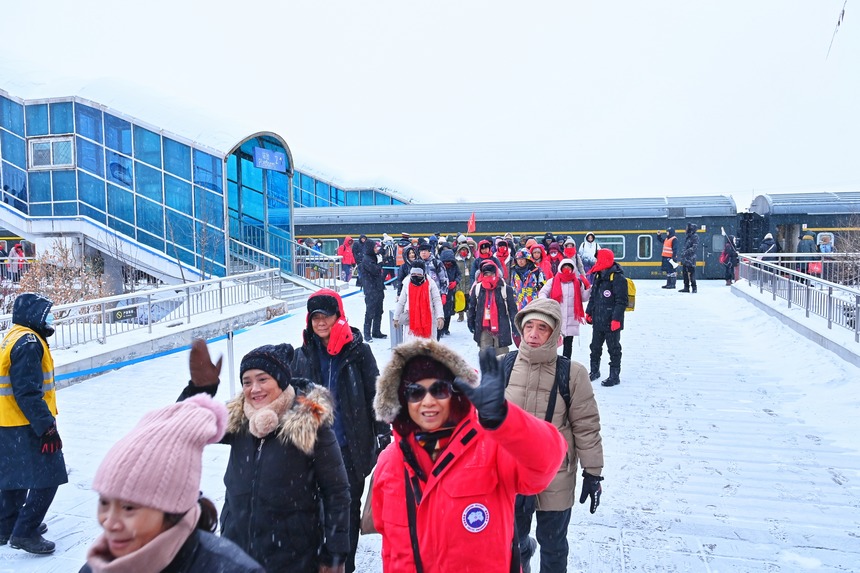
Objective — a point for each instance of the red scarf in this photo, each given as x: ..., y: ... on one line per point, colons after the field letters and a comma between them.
x: 569, y: 252
x: 339, y: 336
x: 567, y: 276
x: 491, y: 312
x: 420, y: 321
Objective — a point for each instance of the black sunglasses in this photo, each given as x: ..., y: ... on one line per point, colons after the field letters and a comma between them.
x: 440, y: 390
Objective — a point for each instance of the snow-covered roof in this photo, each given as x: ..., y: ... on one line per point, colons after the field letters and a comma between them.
x: 823, y: 202
x: 146, y: 105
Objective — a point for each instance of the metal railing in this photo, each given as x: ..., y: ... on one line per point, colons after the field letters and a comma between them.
x: 786, y: 276
x: 96, y: 320
x: 293, y: 257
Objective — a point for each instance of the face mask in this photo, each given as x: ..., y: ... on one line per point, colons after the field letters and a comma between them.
x: 417, y: 280
x: 49, y: 319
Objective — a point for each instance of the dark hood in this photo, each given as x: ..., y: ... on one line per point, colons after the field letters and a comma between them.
x: 30, y: 310
x: 369, y: 247
x: 670, y: 231
x: 692, y: 227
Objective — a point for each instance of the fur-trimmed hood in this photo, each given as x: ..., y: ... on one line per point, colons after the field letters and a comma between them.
x: 387, y: 401
x: 307, y: 411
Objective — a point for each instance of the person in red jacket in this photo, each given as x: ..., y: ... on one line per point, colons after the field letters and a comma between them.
x: 443, y: 493
x: 347, y: 260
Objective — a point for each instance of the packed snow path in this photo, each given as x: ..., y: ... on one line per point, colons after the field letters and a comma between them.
x: 731, y: 444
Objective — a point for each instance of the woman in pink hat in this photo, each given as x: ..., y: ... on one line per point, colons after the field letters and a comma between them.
x: 149, y: 507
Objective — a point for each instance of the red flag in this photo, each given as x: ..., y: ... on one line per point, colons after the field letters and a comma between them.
x: 470, y: 227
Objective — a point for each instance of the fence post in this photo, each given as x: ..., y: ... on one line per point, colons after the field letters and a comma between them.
x: 104, y: 324
x: 188, y: 304
x: 856, y: 318
x: 149, y: 312
x: 790, y: 291
x: 808, y: 298
x: 221, y: 297
x: 396, y: 333
x: 830, y: 307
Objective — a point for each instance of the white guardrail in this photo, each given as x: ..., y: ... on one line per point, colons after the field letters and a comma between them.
x: 823, y: 285
x: 96, y: 320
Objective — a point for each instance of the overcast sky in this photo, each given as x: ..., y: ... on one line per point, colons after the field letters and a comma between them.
x: 493, y: 100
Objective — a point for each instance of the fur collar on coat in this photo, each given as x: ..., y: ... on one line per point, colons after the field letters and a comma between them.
x: 295, y: 418
x: 387, y: 401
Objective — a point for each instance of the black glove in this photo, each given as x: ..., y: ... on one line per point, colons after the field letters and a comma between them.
x: 591, y: 488
x: 51, y: 442
x: 489, y: 397
x: 382, y: 441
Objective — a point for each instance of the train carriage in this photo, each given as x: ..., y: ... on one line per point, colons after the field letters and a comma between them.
x: 627, y: 226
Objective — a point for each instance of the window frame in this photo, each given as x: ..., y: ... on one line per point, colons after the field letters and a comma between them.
x: 31, y: 141
x: 604, y: 240
x: 650, y: 240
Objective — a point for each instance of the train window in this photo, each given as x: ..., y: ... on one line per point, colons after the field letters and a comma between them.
x: 329, y: 246
x: 614, y: 243
x: 718, y: 243
x: 644, y: 247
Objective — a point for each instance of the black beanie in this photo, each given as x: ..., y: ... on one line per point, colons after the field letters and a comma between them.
x: 323, y: 303
x: 422, y: 367
x: 274, y: 360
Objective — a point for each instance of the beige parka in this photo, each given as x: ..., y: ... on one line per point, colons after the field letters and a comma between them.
x: 530, y: 384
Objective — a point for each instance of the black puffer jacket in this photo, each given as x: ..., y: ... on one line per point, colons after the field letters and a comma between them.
x: 405, y: 268
x: 608, y: 298
x: 286, y: 508
x: 358, y: 249
x: 356, y: 387
x: 505, y: 304
x: 203, y: 552
x: 371, y: 275
x: 691, y: 246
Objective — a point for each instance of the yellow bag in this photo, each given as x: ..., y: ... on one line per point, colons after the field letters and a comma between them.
x: 459, y: 301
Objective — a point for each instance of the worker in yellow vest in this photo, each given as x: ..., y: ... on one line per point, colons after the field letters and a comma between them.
x: 31, y: 458
x: 670, y: 257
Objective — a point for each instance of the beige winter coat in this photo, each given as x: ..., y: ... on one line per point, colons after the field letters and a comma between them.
x: 529, y: 387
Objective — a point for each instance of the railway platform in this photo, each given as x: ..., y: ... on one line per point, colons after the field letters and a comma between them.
x: 731, y: 442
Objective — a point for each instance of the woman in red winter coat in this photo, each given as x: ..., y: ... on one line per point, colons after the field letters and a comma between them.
x: 443, y: 493
x: 347, y: 260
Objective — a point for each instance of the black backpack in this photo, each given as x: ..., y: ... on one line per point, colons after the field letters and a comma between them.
x: 562, y: 380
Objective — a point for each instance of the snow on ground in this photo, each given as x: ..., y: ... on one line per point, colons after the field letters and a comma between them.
x: 730, y: 443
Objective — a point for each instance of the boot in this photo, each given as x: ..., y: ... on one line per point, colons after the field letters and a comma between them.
x: 613, y: 379
x: 595, y: 371
x: 685, y: 289
x: 38, y: 544
x: 694, y: 289
x: 728, y: 282
x: 668, y: 283
x: 672, y: 280
x: 43, y: 528
x: 379, y: 335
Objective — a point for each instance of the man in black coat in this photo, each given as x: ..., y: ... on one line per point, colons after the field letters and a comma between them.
x: 605, y: 313
x: 688, y: 257
x: 453, y: 272
x: 358, y: 248
x: 374, y: 290
x: 333, y: 355
x: 31, y: 458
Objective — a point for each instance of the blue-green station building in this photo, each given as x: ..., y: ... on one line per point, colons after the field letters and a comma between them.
x: 168, y: 193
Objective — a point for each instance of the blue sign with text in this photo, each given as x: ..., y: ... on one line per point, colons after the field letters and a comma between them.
x: 268, y: 159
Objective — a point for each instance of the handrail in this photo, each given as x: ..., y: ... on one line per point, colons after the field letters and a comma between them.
x: 823, y: 294
x: 96, y: 320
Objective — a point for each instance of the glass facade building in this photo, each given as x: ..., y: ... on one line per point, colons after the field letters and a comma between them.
x: 70, y: 157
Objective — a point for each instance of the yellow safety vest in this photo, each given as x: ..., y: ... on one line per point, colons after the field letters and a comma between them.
x: 667, y: 247
x: 10, y: 414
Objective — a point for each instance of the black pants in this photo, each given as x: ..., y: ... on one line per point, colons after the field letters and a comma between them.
x: 568, y: 346
x: 356, y: 490
x: 689, y: 276
x: 613, y: 344
x: 22, y: 510
x: 373, y: 316
x: 551, y: 534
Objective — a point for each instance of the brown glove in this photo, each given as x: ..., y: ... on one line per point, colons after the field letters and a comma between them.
x: 203, y: 372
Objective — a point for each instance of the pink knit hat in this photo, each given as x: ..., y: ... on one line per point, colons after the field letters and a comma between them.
x: 158, y: 464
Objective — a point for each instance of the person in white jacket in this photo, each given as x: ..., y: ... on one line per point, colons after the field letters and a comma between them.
x: 419, y: 307
x: 588, y: 251
x: 571, y: 291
